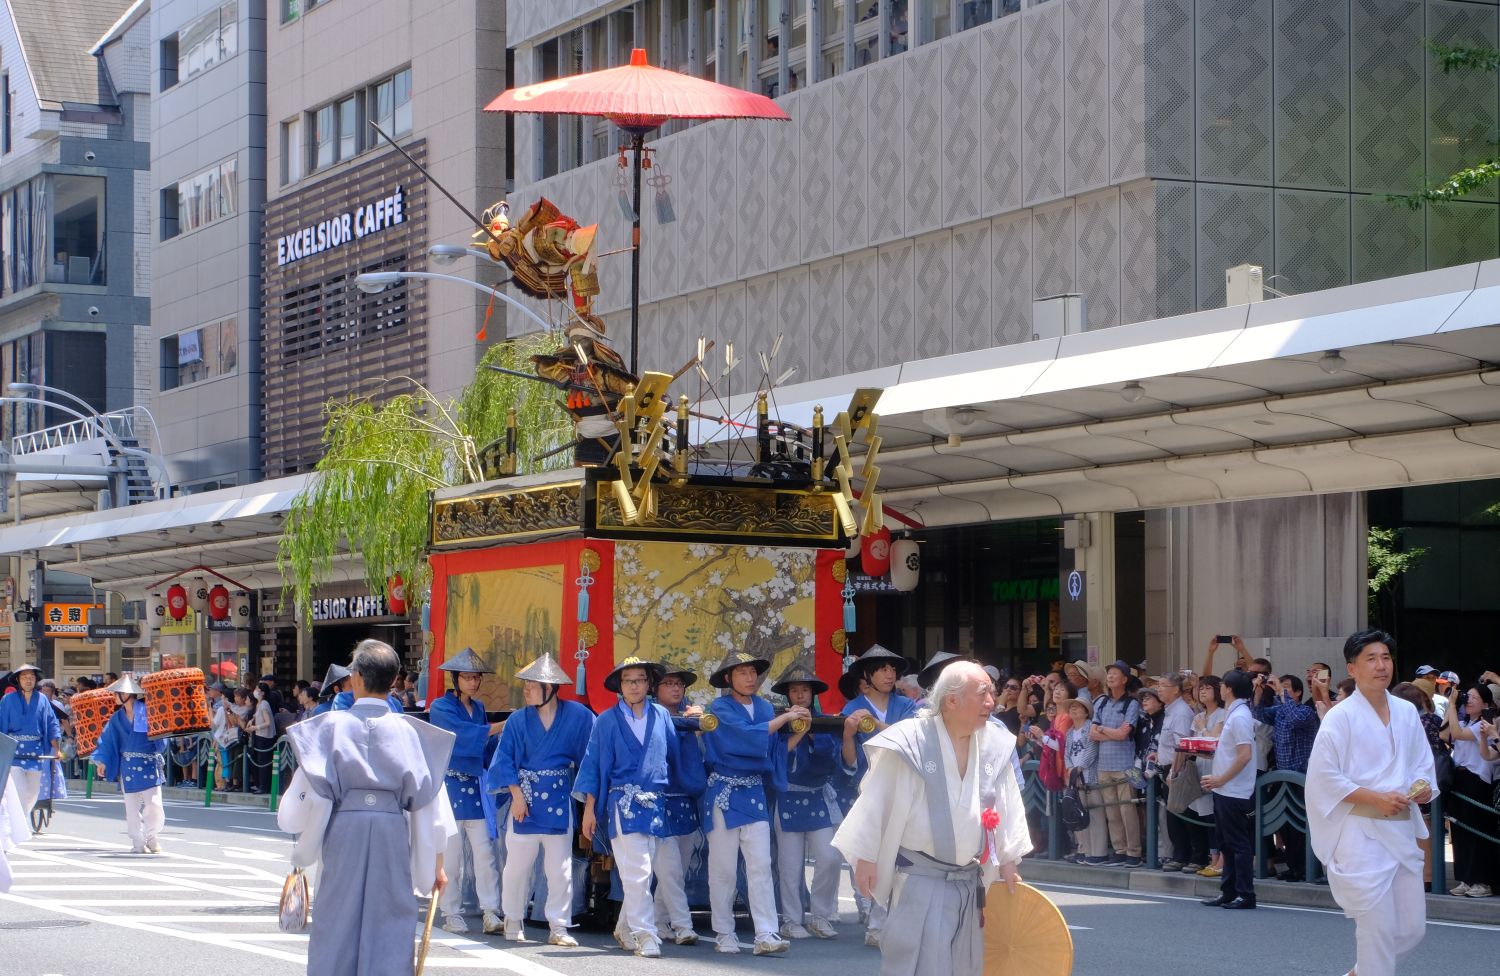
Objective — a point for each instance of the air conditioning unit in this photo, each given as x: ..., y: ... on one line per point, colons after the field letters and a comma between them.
x: 1243, y: 284
x: 1057, y: 316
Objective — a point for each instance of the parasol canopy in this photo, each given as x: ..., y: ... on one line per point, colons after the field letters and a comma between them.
x: 1024, y: 933
x: 637, y: 96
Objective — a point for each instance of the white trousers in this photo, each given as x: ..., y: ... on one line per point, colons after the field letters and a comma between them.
x: 29, y: 783
x: 725, y: 846
x: 1393, y: 928
x: 793, y: 848
x: 673, y: 855
x: 521, y: 851
x: 481, y: 862
x: 144, y: 816
x: 635, y: 855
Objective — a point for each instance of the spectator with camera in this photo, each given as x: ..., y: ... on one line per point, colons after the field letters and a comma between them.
x: 1474, y: 857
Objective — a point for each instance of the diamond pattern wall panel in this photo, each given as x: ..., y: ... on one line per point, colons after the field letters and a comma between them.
x: 720, y: 203
x: 816, y: 144
x: 896, y: 311
x: 1388, y: 63
x: 1312, y: 94
x: 1097, y: 219
x: 1234, y: 90
x: 1458, y: 233
x: 762, y: 306
x: 752, y: 218
x: 1011, y: 289
x: 1052, y: 250
x: 1461, y: 105
x: 1138, y: 252
x: 1127, y: 89
x: 861, y: 311
x: 1388, y: 241
x: 793, y: 323
x: 525, y: 127
x: 702, y: 321
x: 923, y: 150
x: 783, y: 185
x: 614, y: 234
x: 1234, y: 227
x: 1043, y: 89
x: 1176, y: 259
x: 933, y: 318
x: 1312, y: 241
x: 972, y: 283
x: 675, y: 346
x: 731, y: 308
x: 962, y: 159
x: 887, y: 150
x: 824, y: 341
x: 1000, y: 114
x: 1170, y: 107
x: 851, y: 162
x: 695, y: 219
x: 1087, y: 121
x: 659, y: 240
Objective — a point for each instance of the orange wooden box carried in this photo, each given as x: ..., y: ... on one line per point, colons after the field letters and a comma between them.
x: 91, y: 711
x: 176, y: 703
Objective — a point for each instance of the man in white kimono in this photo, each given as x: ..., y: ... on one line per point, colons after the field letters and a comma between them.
x: 939, y: 818
x: 368, y: 792
x: 1370, y: 763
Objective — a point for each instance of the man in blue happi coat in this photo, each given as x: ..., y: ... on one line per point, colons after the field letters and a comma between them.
x: 686, y: 778
x: 344, y: 700
x: 806, y: 815
x: 26, y: 716
x: 461, y: 713
x: 334, y: 682
x: 126, y: 754
x: 746, y: 760
x: 537, y: 760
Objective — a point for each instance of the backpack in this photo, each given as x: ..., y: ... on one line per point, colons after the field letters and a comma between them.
x: 1071, y: 811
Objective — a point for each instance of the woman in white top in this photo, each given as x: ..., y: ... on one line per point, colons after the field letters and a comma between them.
x: 1209, y: 722
x: 262, y: 738
x: 1474, y: 858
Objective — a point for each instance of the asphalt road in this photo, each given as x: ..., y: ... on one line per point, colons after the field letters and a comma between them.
x: 82, y: 905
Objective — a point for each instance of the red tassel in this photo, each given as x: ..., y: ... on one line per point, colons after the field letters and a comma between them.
x: 484, y: 330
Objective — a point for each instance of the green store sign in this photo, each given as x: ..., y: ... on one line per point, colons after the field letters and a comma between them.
x: 1022, y: 590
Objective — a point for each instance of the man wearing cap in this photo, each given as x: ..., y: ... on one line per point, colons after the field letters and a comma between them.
x: 686, y: 779
x: 806, y: 815
x: 334, y: 682
x: 744, y: 756
x: 126, y: 754
x: 27, y: 717
x: 540, y: 750
x: 1113, y: 728
x: 473, y: 806
x: 368, y: 804
x: 878, y: 668
x: 621, y: 784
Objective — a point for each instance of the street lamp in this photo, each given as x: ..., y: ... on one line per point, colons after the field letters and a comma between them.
x: 448, y: 254
x: 375, y: 282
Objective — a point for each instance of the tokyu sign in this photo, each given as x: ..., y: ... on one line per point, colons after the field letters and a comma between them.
x: 341, y: 229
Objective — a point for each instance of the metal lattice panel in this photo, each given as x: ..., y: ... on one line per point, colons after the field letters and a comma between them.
x: 689, y: 188
x: 1176, y: 259
x: 1234, y: 90
x: 933, y: 310
x: 719, y: 203
x: 1011, y: 289
x: 816, y: 124
x: 1097, y: 218
x: 753, y: 219
x: 658, y: 240
x: 896, y: 304
x: 1170, y: 107
x: 797, y: 329
x: 703, y: 321
x: 1388, y: 240
x: 1388, y: 65
x: 1234, y: 227
x: 761, y: 307
x: 860, y: 342
x: 1312, y: 241
x: 783, y: 177
x: 1461, y: 105
x: 825, y: 304
x: 887, y: 147
x: 851, y: 146
x: 731, y: 304
x: 1138, y: 252
x: 1087, y: 117
x: 1042, y: 103
x: 1000, y: 117
x: 923, y: 166
x: 1460, y: 232
x: 1052, y: 250
x: 1127, y: 89
x: 962, y: 157
x: 972, y: 270
x: 1312, y: 94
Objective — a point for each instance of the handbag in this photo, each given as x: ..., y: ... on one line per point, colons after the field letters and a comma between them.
x: 1184, y: 789
x: 1442, y: 767
x: 1070, y: 809
x: 296, y: 903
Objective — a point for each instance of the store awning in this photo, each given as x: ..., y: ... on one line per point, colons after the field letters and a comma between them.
x: 1379, y: 385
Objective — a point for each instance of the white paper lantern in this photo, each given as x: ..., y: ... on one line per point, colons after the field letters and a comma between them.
x: 906, y: 564
x: 198, y: 588
x: 239, y: 609
x: 156, y: 610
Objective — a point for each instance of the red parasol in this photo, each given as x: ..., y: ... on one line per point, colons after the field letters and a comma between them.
x: 637, y: 97
x: 224, y: 669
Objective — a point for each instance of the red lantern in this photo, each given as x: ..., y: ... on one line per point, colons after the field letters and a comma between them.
x: 396, y: 595
x: 177, y: 601
x: 218, y: 602
x: 875, y: 553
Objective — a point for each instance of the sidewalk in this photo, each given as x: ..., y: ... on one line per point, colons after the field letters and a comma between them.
x: 1482, y: 911
x: 220, y: 799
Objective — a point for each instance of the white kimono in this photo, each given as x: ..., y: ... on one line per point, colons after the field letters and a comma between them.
x: 1374, y: 865
x: 15, y: 828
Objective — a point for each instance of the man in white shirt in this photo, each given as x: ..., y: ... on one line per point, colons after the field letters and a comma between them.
x: 1233, y: 785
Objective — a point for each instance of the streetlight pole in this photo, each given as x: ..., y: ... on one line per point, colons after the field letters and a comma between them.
x: 375, y: 282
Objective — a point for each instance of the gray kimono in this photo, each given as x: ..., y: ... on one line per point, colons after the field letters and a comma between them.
x: 368, y: 792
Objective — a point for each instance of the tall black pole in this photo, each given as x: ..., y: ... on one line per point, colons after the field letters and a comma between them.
x: 638, y: 144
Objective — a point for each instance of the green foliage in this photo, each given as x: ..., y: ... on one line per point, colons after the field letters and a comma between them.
x: 1458, y: 58
x: 1388, y: 561
x: 385, y: 454
x: 1451, y: 58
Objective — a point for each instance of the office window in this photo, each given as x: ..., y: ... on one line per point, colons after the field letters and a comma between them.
x: 170, y: 213
x: 341, y: 130
x: 323, y: 136
x: 293, y: 152
x: 77, y: 247
x: 292, y: 9
x: 167, y: 54
x: 348, y: 127
x: 6, y: 108
x: 23, y: 235
x: 207, y: 41
x: 204, y: 353
x: 402, y: 84
x: 205, y: 198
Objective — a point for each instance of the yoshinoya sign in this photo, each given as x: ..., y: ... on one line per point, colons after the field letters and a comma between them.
x: 350, y: 607
x: 341, y: 229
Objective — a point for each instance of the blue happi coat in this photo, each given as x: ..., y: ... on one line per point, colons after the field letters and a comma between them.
x: 543, y: 763
x: 810, y: 801
x: 899, y: 707
x: 472, y: 750
x: 33, y: 725
x: 128, y: 755
x: 686, y: 779
x: 746, y: 762
x: 344, y: 700
x: 627, y: 777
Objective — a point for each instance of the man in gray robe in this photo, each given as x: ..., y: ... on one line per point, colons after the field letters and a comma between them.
x: 368, y: 792
x: 939, y: 818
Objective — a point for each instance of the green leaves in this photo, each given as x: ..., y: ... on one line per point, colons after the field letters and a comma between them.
x: 1453, y: 58
x: 1387, y: 562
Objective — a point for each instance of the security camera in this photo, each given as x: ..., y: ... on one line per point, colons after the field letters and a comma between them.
x: 89, y: 156
x: 93, y: 311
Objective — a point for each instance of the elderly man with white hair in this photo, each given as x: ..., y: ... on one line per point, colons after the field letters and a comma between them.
x: 939, y: 818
